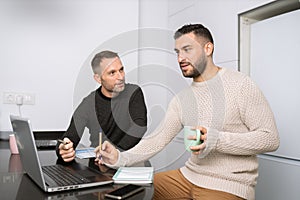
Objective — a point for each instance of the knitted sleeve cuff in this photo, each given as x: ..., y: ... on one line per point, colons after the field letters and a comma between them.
x: 212, y: 138
x: 120, y: 162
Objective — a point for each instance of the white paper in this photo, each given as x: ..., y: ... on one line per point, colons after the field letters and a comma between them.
x: 85, y: 153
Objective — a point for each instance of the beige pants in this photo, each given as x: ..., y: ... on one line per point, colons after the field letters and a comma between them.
x: 173, y: 185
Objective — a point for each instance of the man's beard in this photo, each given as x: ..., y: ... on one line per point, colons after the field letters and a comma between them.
x: 115, y: 90
x: 198, y: 68
x: 118, y: 89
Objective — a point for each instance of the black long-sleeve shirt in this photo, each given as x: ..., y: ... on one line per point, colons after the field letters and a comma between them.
x: 123, y: 119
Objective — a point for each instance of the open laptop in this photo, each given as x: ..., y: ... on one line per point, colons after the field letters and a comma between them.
x: 85, y: 176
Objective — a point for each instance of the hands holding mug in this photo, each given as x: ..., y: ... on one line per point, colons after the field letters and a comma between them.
x: 194, y: 139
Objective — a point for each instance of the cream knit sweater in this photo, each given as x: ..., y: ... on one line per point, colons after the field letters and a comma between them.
x: 240, y: 125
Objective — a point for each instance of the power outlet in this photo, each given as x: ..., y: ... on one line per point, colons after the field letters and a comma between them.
x: 13, y: 98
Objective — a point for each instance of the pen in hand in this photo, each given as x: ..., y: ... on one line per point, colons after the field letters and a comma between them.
x: 100, y: 143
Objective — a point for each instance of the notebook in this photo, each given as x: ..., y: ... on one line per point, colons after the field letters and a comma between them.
x: 134, y: 175
x: 82, y: 176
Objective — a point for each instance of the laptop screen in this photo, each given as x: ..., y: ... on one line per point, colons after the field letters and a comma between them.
x: 27, y: 149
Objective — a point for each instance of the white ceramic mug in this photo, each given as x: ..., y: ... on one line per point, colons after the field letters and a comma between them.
x: 189, y: 131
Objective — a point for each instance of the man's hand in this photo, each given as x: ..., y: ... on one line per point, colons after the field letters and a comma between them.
x: 66, y: 150
x: 199, y: 148
x: 108, y: 154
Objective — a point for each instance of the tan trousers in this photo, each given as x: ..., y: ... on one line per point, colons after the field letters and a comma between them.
x: 173, y: 185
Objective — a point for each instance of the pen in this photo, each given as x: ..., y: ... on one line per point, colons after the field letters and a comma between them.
x: 100, y: 143
x: 61, y: 141
x: 100, y: 140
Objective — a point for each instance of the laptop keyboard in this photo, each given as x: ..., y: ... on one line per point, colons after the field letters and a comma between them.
x: 63, y: 176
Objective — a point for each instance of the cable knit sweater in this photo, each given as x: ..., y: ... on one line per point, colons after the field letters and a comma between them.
x: 240, y: 125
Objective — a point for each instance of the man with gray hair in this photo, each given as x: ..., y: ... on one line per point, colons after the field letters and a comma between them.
x: 116, y: 108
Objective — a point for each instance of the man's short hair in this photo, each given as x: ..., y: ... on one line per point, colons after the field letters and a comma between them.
x: 99, y: 57
x: 197, y: 29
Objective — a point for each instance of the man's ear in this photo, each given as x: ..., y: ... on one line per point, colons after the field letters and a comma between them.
x: 209, y: 48
x: 97, y: 78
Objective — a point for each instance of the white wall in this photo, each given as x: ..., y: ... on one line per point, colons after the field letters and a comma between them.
x: 220, y: 17
x: 46, y: 47
x: 275, y: 69
x: 281, y: 66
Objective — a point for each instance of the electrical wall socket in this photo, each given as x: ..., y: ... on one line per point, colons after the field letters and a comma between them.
x: 16, y: 98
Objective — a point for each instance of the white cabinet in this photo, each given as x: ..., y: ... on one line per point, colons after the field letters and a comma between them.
x: 278, y: 179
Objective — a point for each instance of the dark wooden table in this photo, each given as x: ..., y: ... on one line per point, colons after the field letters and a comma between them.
x: 15, y: 184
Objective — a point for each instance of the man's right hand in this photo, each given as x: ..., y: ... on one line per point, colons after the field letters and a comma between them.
x: 107, y: 155
x: 67, y: 151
